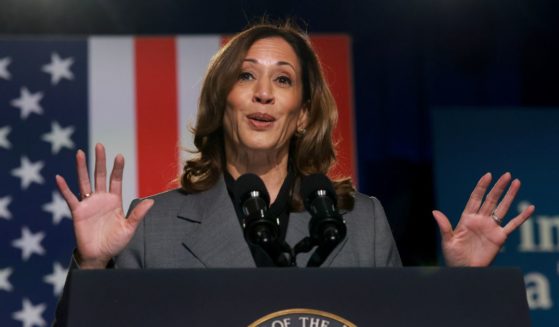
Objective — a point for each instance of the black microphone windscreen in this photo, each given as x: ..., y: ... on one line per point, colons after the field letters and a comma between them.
x: 315, y: 182
x: 247, y: 183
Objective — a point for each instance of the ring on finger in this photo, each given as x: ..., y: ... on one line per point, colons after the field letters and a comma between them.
x: 85, y: 196
x: 496, y: 218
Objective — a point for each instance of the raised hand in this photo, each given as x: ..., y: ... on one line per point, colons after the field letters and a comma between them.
x: 100, y: 225
x: 479, y: 236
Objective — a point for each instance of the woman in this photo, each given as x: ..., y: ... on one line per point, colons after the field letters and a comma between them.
x: 264, y: 109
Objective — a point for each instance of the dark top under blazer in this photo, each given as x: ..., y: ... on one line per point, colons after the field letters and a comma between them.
x: 201, y: 230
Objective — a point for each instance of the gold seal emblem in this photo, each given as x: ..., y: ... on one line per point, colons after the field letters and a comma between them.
x: 302, y: 318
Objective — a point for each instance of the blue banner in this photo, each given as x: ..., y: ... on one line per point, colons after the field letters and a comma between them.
x: 469, y: 142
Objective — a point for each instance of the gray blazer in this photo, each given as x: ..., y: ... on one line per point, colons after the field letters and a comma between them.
x: 202, y: 230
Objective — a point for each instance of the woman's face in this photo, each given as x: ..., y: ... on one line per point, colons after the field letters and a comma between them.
x: 264, y: 108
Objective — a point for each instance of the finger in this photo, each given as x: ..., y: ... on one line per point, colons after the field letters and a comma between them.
x: 67, y: 194
x: 100, y: 168
x: 83, y: 175
x: 519, y: 220
x: 476, y: 197
x: 504, y: 205
x: 444, y: 225
x: 138, y: 213
x: 494, y: 195
x: 115, y: 185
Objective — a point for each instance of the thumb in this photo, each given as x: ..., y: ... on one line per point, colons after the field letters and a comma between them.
x: 444, y: 225
x: 139, y: 212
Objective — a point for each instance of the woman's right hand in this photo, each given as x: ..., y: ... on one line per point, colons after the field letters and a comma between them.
x: 100, y: 226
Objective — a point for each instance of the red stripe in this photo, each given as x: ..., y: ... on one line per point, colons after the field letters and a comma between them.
x: 156, y: 114
x: 335, y: 57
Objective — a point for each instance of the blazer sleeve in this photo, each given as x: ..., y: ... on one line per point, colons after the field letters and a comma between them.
x: 385, y: 250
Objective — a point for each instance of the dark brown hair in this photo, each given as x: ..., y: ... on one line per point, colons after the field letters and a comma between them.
x: 310, y: 152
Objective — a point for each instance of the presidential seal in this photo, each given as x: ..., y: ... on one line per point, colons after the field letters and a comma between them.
x: 302, y: 318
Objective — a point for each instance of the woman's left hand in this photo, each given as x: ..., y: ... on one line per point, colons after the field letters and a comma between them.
x: 479, y: 236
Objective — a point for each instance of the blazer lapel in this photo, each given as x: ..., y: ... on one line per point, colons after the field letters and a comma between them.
x: 215, y: 235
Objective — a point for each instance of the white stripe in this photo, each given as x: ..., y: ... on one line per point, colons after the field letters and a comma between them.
x: 112, y: 113
x: 193, y: 56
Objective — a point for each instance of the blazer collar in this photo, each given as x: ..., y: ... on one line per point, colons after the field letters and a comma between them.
x: 215, y: 235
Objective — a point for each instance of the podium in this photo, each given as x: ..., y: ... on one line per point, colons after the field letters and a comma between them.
x: 291, y: 297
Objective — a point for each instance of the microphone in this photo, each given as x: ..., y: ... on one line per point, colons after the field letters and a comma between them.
x: 327, y: 227
x: 253, y: 200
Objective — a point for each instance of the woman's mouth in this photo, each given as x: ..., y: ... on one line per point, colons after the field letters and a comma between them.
x: 260, y: 120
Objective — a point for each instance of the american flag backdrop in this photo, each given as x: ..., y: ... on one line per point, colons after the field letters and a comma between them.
x: 138, y: 96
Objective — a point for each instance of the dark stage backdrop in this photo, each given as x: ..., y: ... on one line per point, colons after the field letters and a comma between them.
x: 408, y: 56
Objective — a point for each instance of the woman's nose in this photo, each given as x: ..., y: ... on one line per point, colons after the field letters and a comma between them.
x: 263, y: 92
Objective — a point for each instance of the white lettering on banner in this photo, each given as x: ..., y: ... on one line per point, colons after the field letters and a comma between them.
x: 543, y: 239
x: 538, y: 292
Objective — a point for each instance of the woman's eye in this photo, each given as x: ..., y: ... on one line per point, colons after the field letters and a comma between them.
x: 284, y: 80
x: 245, y: 76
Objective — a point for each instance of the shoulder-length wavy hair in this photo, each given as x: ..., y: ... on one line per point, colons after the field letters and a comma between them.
x: 310, y: 152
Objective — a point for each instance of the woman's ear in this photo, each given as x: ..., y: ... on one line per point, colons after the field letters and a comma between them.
x: 302, y: 120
